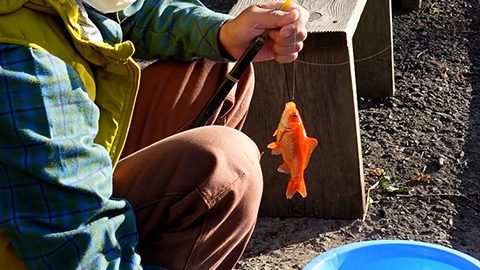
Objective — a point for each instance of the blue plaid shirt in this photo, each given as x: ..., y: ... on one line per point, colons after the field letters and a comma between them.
x: 55, y: 183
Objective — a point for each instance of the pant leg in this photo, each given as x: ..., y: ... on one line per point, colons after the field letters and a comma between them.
x: 173, y: 93
x: 196, y: 194
x: 196, y: 197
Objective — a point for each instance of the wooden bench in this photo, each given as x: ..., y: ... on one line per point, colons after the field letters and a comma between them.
x: 348, y: 52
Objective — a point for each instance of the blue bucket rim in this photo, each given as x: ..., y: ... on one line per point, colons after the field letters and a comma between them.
x: 351, y: 246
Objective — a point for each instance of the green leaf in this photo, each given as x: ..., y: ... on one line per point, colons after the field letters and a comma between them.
x: 386, y: 187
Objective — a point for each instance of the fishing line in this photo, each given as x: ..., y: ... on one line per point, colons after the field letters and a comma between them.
x: 294, y: 75
x: 287, y: 81
x: 346, y: 62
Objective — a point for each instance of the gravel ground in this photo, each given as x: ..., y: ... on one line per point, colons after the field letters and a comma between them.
x: 424, y: 142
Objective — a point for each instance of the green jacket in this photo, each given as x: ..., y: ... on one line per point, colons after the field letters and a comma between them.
x: 113, y: 80
x: 102, y: 60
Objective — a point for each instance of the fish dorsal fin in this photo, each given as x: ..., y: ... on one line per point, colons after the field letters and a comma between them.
x: 310, y: 145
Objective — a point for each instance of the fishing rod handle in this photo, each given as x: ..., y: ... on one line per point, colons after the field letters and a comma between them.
x: 229, y: 81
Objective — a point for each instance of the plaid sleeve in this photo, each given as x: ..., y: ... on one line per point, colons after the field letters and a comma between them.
x: 55, y: 182
x: 174, y: 29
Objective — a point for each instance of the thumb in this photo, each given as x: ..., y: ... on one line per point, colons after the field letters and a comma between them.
x: 264, y: 16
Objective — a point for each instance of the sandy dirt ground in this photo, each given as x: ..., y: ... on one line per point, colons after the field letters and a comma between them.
x: 425, y: 139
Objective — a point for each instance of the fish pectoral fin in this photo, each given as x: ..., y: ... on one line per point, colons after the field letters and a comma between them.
x: 275, y: 148
x: 311, y: 144
x: 272, y: 145
x: 296, y: 185
x: 283, y: 168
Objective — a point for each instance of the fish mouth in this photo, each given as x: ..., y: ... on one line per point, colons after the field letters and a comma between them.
x: 290, y: 106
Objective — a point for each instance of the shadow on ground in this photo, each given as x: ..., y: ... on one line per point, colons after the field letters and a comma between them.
x: 276, y: 233
x: 466, y: 225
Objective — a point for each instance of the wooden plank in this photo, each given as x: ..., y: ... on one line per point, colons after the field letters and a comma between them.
x: 326, y: 98
x: 325, y: 15
x: 373, y: 49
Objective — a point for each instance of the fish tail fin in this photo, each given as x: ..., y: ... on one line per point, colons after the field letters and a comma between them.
x: 296, y: 185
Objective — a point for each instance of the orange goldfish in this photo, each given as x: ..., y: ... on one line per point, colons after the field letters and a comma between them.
x: 294, y: 145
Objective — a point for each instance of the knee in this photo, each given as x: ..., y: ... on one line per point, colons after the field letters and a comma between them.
x: 236, y: 170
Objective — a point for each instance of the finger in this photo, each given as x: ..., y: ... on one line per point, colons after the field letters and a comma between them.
x: 266, y: 53
x: 290, y: 29
x: 286, y: 58
x: 304, y: 14
x: 302, y: 20
x: 286, y: 50
x: 278, y: 37
x: 265, y: 18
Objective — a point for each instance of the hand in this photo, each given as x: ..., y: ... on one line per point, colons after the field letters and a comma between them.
x: 286, y: 31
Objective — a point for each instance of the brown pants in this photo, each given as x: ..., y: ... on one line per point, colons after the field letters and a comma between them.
x: 196, y: 193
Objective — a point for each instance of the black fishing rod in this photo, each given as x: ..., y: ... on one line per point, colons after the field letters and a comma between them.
x: 228, y: 82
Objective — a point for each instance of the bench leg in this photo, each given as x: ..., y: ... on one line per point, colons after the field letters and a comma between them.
x: 373, y: 49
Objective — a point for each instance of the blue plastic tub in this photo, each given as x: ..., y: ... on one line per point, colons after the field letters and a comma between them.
x: 393, y: 255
